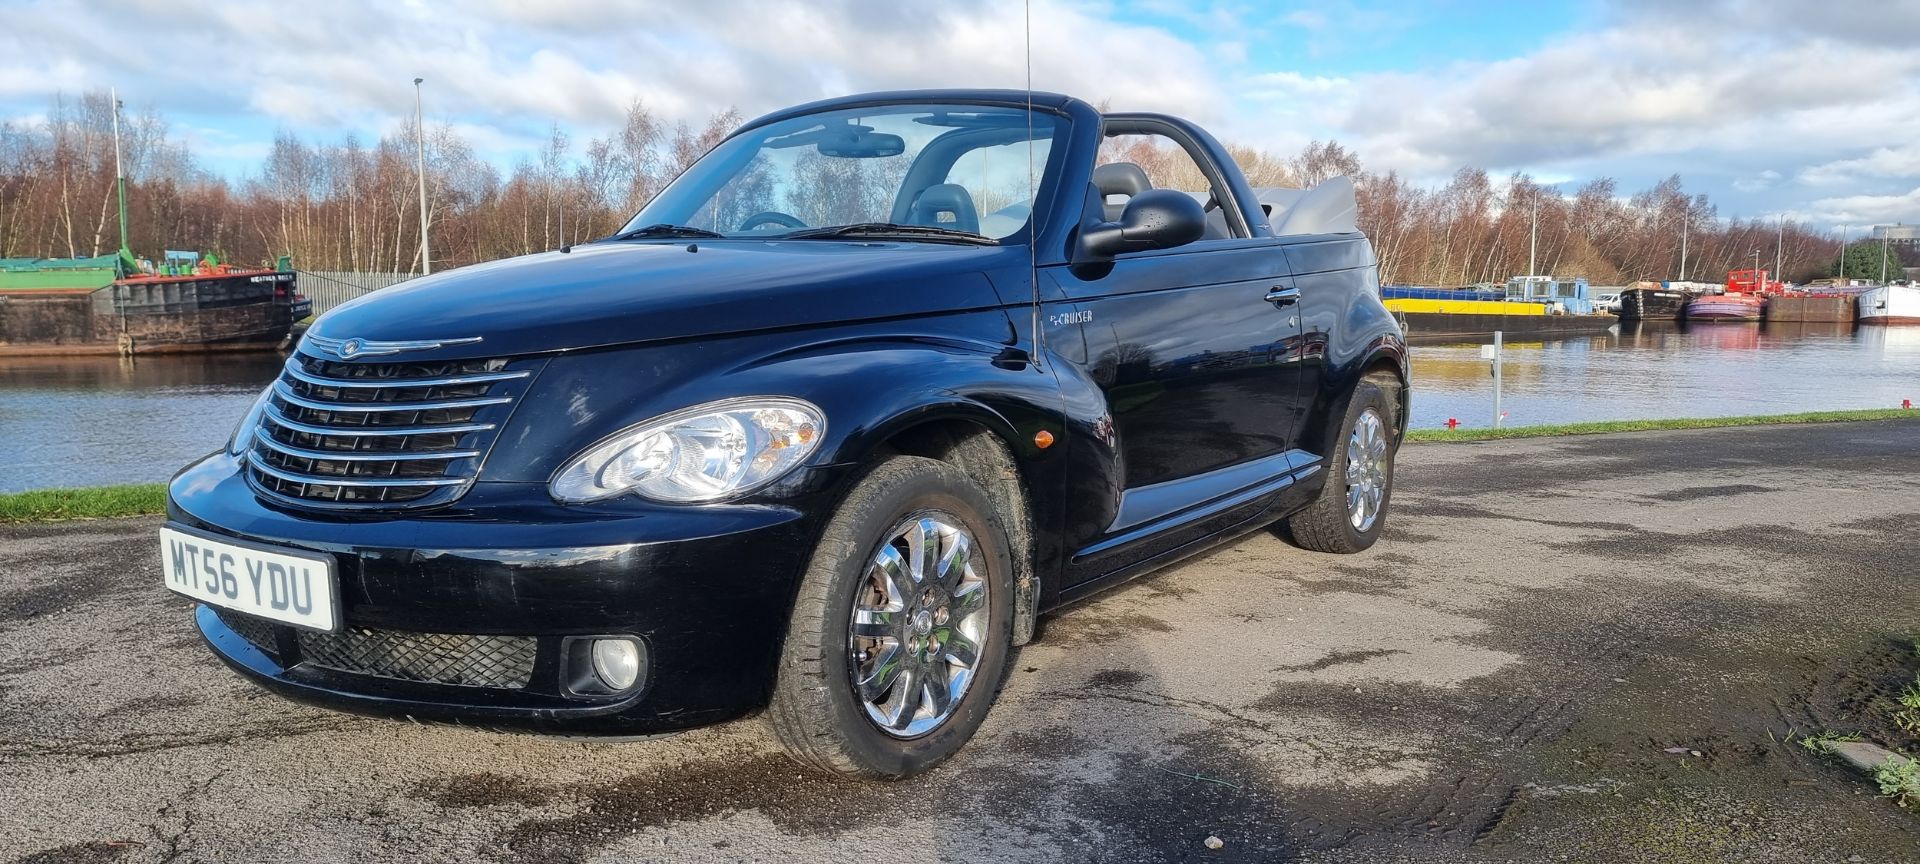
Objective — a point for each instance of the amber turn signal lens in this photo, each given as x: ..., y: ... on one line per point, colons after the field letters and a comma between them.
x: 1043, y: 439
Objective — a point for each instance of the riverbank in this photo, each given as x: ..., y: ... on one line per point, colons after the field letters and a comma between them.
x: 106, y: 502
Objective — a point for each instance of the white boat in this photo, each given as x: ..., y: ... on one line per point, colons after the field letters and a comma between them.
x: 1898, y: 303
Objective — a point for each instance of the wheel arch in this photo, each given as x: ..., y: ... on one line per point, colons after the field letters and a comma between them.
x: 972, y: 441
x: 1388, y: 359
x: 1385, y: 355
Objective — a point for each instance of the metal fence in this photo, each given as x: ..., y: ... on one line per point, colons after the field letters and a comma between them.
x: 330, y: 288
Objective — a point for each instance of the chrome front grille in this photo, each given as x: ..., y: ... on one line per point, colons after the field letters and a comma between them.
x: 380, y: 435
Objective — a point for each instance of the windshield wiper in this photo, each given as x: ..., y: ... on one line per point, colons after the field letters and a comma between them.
x: 663, y: 229
x: 891, y: 229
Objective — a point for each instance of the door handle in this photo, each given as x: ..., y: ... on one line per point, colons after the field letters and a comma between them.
x: 1283, y: 296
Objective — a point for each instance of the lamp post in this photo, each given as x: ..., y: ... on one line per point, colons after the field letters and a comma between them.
x: 420, y: 140
x: 1841, y: 273
x: 1780, y: 248
x: 119, y: 175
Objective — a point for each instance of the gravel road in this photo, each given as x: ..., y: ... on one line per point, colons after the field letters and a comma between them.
x: 1500, y: 679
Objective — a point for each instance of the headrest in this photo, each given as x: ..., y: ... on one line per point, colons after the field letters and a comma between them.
x: 1121, y: 178
x: 941, y: 198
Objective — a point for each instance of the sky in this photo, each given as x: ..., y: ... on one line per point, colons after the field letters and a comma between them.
x: 1808, y: 110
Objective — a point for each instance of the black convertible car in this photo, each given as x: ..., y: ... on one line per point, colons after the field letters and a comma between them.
x: 821, y: 431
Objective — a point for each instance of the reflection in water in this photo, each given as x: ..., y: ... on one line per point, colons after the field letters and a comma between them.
x: 89, y: 421
x: 1653, y: 370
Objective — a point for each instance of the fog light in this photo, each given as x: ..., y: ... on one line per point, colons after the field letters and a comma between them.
x: 610, y: 665
x: 616, y: 662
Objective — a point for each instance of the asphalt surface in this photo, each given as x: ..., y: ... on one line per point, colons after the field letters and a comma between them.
x: 1500, y: 679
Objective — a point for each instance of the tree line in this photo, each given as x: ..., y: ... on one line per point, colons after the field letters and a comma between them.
x: 353, y: 205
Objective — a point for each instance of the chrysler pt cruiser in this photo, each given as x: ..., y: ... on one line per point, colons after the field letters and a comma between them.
x: 819, y: 433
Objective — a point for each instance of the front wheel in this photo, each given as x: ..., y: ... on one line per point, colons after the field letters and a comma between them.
x: 1351, y: 510
x: 902, y: 627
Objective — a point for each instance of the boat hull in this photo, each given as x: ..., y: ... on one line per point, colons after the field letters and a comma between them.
x: 1425, y: 326
x: 227, y: 312
x: 1810, y: 309
x: 1890, y: 304
x: 1724, y: 308
x: 1646, y: 304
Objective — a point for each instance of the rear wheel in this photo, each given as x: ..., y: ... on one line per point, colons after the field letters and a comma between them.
x: 902, y: 627
x: 1351, y: 510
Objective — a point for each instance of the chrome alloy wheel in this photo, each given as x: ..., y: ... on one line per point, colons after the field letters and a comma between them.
x: 917, y: 625
x: 1366, y: 470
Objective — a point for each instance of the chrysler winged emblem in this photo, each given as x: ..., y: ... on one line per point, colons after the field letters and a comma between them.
x: 348, y: 349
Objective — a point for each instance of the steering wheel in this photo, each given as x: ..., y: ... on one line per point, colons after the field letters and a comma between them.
x: 770, y: 217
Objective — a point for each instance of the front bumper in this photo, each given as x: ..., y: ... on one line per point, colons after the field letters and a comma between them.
x: 706, y: 589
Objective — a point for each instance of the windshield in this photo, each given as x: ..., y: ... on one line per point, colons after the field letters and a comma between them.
x: 961, y: 170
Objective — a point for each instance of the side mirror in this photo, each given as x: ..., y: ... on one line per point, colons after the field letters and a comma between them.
x: 1154, y: 219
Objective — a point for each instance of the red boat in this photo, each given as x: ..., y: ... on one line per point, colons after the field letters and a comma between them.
x: 1745, y: 299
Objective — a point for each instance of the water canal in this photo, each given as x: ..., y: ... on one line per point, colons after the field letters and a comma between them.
x: 81, y: 421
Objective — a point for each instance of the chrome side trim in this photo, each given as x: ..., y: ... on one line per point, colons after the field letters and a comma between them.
x: 1212, y: 508
x: 1143, y: 504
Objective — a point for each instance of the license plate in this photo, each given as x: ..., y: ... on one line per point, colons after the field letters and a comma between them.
x: 285, y: 585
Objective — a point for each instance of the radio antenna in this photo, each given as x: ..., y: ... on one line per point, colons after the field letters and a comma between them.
x: 1033, y: 192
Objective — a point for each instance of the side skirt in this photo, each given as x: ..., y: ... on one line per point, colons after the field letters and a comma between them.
x: 1173, y: 556
x: 1151, y: 510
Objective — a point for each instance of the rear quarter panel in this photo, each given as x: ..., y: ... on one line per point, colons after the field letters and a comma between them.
x: 1346, y: 329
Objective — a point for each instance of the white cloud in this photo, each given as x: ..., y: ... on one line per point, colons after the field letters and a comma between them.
x: 1902, y: 161
x: 1734, y: 94
x: 1763, y: 180
x: 322, y: 68
x: 1860, y: 210
x: 1629, y: 89
x: 1306, y: 19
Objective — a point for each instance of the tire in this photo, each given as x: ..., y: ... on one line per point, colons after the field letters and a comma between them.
x: 1330, y: 523
x: 817, y: 710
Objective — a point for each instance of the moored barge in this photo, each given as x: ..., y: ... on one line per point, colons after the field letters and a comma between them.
x: 1651, y: 301
x: 108, y: 305
x: 1725, y: 307
x: 1745, y: 298
x: 1805, y: 307
x: 1890, y: 304
x: 1434, y: 313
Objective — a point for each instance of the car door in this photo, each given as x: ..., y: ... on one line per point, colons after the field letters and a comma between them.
x: 1192, y: 357
x: 1195, y: 349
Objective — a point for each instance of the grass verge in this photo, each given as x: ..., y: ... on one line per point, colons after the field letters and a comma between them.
x: 97, y: 502
x: 1604, y: 426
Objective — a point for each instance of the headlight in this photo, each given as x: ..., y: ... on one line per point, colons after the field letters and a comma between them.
x: 243, y: 434
x: 704, y: 453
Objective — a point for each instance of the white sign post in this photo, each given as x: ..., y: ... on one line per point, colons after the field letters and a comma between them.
x: 1492, y: 352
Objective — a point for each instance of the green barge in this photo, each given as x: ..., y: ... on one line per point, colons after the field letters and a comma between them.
x: 112, y: 304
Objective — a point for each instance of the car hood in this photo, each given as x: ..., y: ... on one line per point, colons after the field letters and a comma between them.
x: 626, y: 292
